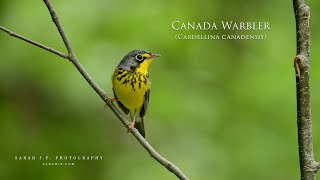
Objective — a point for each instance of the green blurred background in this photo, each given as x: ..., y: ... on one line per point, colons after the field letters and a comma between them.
x: 219, y: 109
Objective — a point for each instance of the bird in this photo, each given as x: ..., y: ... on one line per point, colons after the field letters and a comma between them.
x: 131, y: 87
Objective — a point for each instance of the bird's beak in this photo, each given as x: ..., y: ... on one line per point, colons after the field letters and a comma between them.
x: 155, y: 55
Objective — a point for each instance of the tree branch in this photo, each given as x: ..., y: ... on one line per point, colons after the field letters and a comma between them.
x: 308, y: 166
x: 34, y: 42
x: 72, y: 57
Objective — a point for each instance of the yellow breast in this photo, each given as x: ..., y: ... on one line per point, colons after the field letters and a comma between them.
x: 130, y: 87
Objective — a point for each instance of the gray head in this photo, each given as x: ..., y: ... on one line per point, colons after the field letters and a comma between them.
x: 135, y: 58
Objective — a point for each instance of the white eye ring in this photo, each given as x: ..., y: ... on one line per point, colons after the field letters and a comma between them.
x: 139, y: 57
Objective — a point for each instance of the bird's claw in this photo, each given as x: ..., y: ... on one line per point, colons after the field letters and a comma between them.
x: 130, y: 127
x: 109, y: 100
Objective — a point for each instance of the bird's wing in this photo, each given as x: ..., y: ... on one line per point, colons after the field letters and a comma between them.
x: 124, y: 109
x: 140, y: 124
x: 145, y: 103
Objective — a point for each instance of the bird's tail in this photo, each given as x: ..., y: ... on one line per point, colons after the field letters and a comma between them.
x: 140, y: 126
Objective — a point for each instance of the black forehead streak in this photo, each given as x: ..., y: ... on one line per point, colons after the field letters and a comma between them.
x: 135, y: 52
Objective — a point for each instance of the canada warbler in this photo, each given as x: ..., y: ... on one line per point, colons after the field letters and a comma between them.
x: 131, y: 86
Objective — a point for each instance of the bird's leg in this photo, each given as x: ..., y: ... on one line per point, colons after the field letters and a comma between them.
x: 109, y: 100
x: 133, y: 121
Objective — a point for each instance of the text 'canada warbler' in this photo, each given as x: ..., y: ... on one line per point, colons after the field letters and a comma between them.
x: 131, y: 86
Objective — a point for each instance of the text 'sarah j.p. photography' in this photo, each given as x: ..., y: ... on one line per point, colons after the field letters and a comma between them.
x: 58, y: 160
x: 246, y: 30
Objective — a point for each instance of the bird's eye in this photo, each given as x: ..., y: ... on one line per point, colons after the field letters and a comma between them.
x: 139, y: 57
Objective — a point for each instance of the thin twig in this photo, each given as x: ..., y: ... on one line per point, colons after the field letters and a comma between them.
x: 308, y: 166
x: 72, y: 57
x: 56, y: 21
x: 61, y: 54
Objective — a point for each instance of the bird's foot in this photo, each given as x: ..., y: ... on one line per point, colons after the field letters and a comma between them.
x: 109, y: 100
x: 130, y: 127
